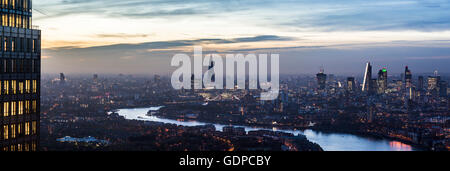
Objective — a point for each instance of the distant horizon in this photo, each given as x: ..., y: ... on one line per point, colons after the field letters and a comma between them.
x: 139, y: 36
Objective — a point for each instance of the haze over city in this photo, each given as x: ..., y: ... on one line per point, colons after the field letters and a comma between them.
x: 141, y: 36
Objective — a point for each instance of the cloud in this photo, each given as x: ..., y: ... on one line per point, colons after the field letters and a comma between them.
x: 173, y: 44
x: 325, y: 15
x: 121, y: 35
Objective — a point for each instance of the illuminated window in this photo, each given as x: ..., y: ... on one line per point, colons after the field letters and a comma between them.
x: 19, y: 147
x: 5, y: 109
x: 27, y: 107
x: 20, y: 107
x: 34, y: 86
x: 27, y: 86
x: 27, y: 147
x: 27, y: 128
x: 19, y: 129
x: 6, y: 87
x: 14, y: 86
x: 33, y: 127
x: 13, y: 47
x: 5, y: 20
x: 34, y: 106
x: 13, y: 108
x: 21, y: 87
x: 33, y: 146
x: 5, y: 132
x: 34, y: 45
x: 13, y: 131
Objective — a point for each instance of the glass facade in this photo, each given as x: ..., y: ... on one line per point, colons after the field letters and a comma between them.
x: 20, y: 60
x: 16, y: 13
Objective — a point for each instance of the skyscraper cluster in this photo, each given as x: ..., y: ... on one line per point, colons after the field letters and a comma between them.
x: 435, y: 86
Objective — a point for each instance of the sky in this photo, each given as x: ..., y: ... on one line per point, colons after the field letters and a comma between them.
x: 141, y: 36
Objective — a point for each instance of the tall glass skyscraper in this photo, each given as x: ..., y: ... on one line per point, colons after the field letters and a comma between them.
x: 322, y: 79
x: 367, y: 77
x: 19, y: 77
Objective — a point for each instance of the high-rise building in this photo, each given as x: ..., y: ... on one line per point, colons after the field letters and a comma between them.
x: 382, y: 81
x: 62, y: 78
x: 95, y: 77
x: 373, y: 87
x: 367, y: 77
x: 420, y: 83
x: 443, y: 85
x: 211, y: 66
x: 20, y: 77
x: 351, y: 85
x: 322, y: 79
x: 433, y: 83
x: 408, y: 78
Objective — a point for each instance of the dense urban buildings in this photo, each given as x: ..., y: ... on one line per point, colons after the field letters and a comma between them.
x: 19, y: 78
x: 71, y: 111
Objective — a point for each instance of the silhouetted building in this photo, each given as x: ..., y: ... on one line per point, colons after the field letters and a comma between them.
x: 322, y: 79
x: 211, y: 66
x: 351, y: 85
x: 62, y: 78
x: 420, y: 83
x: 95, y: 78
x: 408, y: 78
x: 367, y: 77
x: 382, y: 81
x: 443, y: 85
x: 20, y: 78
x: 373, y: 86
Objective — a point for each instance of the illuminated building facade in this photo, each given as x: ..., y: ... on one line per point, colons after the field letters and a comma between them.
x: 382, y: 81
x: 19, y: 77
x: 367, y: 77
x: 408, y: 78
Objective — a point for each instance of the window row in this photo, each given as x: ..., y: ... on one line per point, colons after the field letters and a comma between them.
x: 21, y: 147
x: 16, y: 4
x: 15, y: 20
x: 18, y: 87
x: 20, y: 66
x: 19, y: 130
x: 19, y: 108
x: 16, y: 44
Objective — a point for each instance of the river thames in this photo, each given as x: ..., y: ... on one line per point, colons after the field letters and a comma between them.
x: 328, y: 141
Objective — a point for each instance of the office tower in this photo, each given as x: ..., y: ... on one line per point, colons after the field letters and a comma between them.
x: 367, y: 77
x: 420, y: 83
x: 62, y: 78
x: 211, y: 66
x: 20, y: 78
x: 321, y: 79
x: 433, y: 83
x: 331, y: 78
x: 95, y: 78
x: 351, y: 85
x: 382, y: 81
x: 443, y: 85
x: 408, y: 78
x: 373, y: 86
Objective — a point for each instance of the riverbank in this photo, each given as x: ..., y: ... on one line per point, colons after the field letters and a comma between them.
x: 329, y: 142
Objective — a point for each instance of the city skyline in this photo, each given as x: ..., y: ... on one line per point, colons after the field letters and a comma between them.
x: 341, y: 36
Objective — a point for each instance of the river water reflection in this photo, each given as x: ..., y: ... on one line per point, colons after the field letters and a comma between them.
x: 328, y: 141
